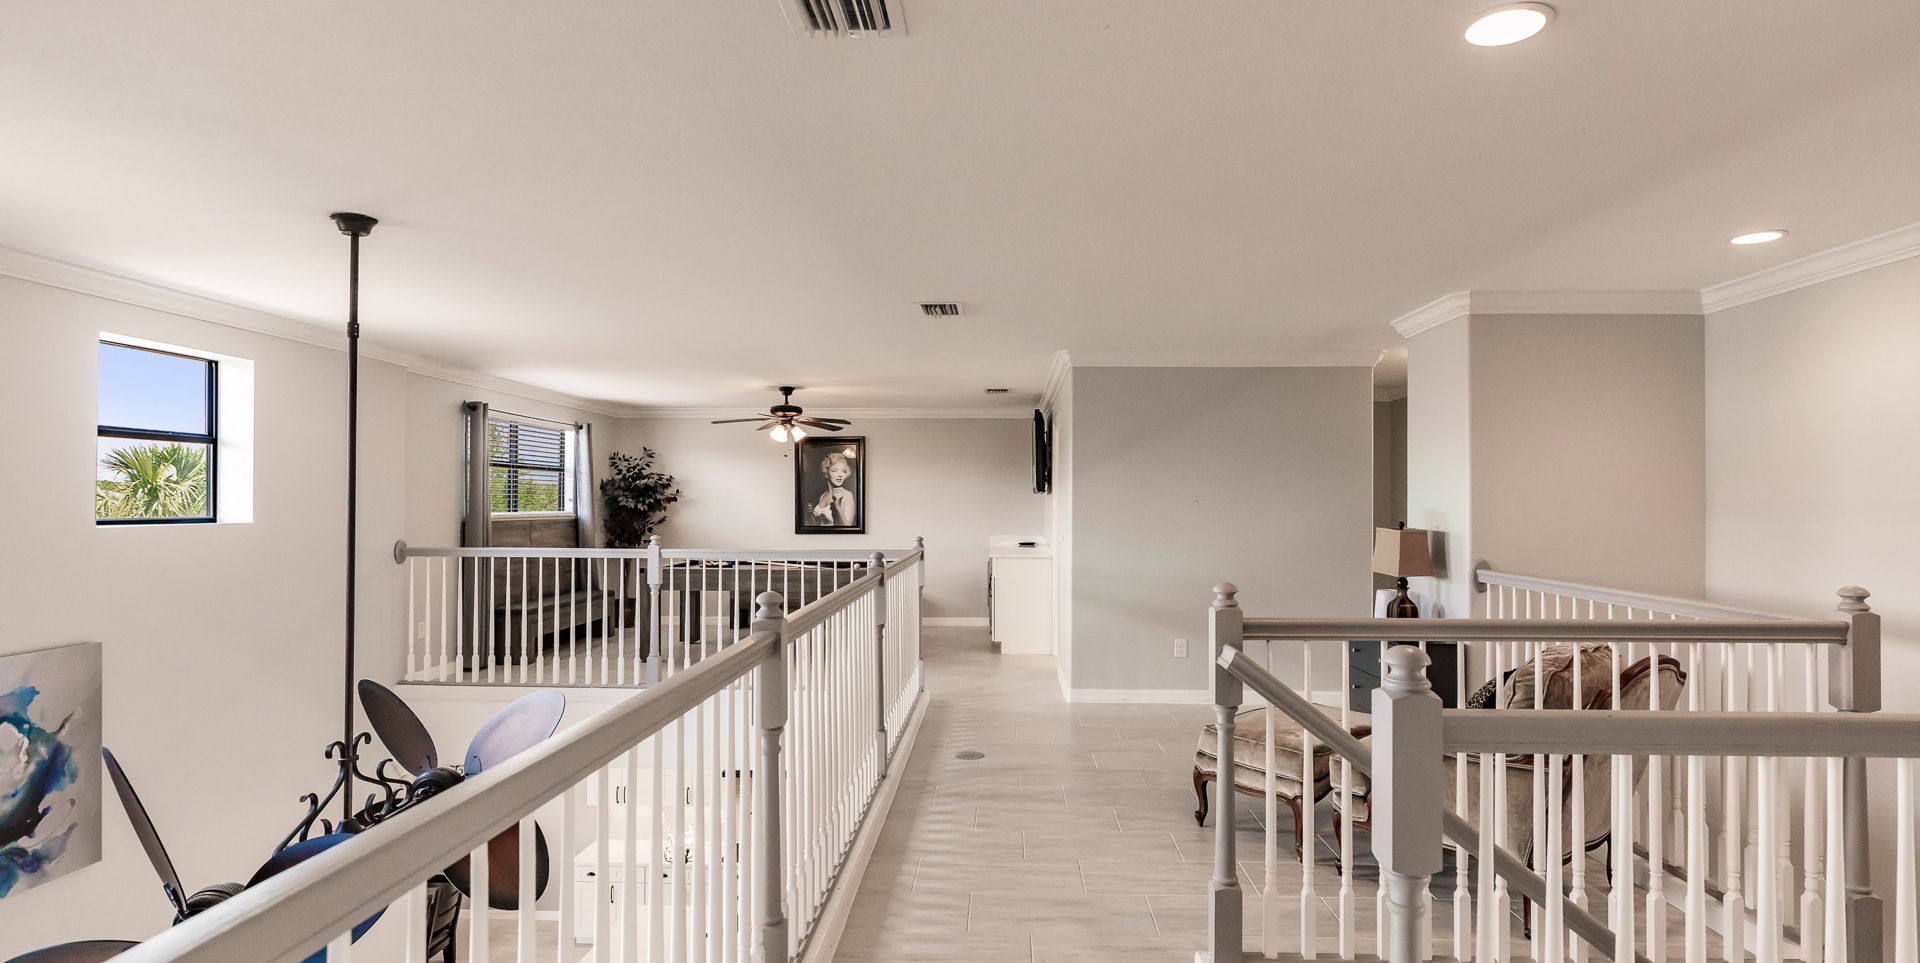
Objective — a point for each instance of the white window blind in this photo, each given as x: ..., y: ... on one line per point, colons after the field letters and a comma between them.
x: 529, y: 467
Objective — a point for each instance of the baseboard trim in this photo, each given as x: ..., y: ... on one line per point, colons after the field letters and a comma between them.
x: 825, y: 941
x: 956, y: 622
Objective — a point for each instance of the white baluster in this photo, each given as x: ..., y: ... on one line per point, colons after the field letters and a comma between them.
x: 1906, y: 946
x: 479, y: 942
x: 1269, y: 896
x: 1348, y: 935
x: 1812, y: 797
x: 1836, y: 896
x: 526, y: 947
x: 416, y: 917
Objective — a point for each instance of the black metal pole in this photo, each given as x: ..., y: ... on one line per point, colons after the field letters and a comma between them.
x: 355, y: 227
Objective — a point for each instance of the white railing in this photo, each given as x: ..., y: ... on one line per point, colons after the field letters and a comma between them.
x: 715, y: 811
x: 595, y: 616
x: 1413, y: 737
x: 1656, y: 816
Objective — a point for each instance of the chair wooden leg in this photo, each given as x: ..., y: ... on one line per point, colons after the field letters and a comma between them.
x: 1299, y: 831
x: 1200, y: 795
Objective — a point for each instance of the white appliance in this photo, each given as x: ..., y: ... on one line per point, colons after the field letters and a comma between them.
x: 1020, y: 595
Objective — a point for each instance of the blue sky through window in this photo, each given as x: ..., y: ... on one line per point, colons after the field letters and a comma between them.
x: 147, y: 389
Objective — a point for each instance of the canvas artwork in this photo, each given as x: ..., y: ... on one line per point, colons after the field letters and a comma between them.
x: 830, y: 486
x: 49, y: 764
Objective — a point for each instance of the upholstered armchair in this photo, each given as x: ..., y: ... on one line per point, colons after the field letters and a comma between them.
x: 1517, y: 692
x: 1250, y: 759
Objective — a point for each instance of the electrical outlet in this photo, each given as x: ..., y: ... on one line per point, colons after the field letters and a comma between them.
x: 420, y: 631
x: 1179, y: 648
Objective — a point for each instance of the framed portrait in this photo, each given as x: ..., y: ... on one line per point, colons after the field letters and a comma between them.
x: 830, y: 486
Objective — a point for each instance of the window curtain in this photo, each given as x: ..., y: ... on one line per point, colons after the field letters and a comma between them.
x: 475, y: 530
x: 475, y: 524
x: 584, y: 496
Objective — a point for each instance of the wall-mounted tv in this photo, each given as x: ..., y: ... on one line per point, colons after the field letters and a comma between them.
x: 1042, y: 453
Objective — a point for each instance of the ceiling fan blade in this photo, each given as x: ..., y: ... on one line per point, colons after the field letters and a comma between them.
x: 149, y: 836
x: 503, y: 869
x: 399, y: 728
x: 834, y: 421
x: 817, y: 423
x: 299, y: 853
x: 523, y: 724
x: 85, y: 951
x: 764, y: 427
x: 735, y: 421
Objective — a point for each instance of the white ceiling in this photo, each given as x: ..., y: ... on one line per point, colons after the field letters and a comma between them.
x: 678, y: 204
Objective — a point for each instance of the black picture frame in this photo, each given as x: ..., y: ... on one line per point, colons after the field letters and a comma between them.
x: 813, y: 460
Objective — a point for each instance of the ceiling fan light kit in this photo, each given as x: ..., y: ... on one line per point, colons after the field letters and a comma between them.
x: 785, y: 421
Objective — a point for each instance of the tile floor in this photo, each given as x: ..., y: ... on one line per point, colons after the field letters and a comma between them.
x: 1073, y: 839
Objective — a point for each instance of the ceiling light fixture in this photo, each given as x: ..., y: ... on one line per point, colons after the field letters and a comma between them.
x: 1508, y: 23
x: 1758, y: 237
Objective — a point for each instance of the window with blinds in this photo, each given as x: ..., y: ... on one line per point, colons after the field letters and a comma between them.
x: 529, y: 467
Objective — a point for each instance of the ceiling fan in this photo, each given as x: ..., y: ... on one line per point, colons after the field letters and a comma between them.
x: 785, y: 419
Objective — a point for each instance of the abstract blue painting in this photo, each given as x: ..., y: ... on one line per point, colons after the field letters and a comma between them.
x: 49, y: 764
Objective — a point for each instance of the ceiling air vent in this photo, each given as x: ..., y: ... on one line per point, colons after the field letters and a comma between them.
x: 845, y: 18
x: 998, y: 391
x: 940, y: 309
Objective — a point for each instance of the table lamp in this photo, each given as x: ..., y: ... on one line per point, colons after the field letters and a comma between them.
x: 1402, y: 553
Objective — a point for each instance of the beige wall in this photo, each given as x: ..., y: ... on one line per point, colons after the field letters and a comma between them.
x: 1186, y: 477
x: 1813, y: 468
x: 1565, y: 446
x: 1439, y: 463
x: 221, y: 643
x: 955, y: 481
x: 1060, y: 529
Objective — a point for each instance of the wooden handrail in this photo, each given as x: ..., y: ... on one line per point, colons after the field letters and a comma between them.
x: 298, y: 911
x: 1691, y: 608
x: 1542, y: 630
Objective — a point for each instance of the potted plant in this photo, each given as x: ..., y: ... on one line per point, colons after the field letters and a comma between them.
x: 635, y: 498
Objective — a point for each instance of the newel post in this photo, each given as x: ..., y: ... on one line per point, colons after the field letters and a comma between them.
x: 1409, y: 780
x: 655, y: 573
x: 1225, y: 902
x: 770, y: 710
x: 877, y: 563
x: 1854, y: 686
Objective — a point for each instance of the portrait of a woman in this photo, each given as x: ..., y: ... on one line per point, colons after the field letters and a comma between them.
x: 829, y: 486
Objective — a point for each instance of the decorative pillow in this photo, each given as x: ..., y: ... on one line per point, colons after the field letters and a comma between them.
x: 1482, y: 698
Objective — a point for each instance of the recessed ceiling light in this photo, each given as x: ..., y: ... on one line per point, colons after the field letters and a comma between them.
x: 1509, y: 23
x: 1758, y: 237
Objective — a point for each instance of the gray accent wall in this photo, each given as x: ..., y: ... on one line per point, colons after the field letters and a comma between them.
x: 1185, y: 477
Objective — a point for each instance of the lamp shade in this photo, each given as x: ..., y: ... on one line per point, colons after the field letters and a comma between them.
x: 1401, y: 552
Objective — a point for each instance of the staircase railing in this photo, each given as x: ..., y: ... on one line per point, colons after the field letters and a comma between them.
x: 715, y: 811
x: 595, y: 616
x: 1413, y: 735
x: 1664, y: 657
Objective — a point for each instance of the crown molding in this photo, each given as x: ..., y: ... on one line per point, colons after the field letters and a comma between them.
x: 851, y: 414
x: 93, y: 282
x: 1434, y: 313
x: 1460, y: 304
x: 1216, y: 359
x: 1895, y: 245
x: 1057, y: 371
x: 1585, y: 302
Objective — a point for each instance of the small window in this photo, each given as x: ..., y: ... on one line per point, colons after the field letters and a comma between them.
x: 529, y: 467
x: 156, y: 444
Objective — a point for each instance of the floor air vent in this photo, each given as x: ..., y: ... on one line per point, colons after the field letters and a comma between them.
x: 845, y: 18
